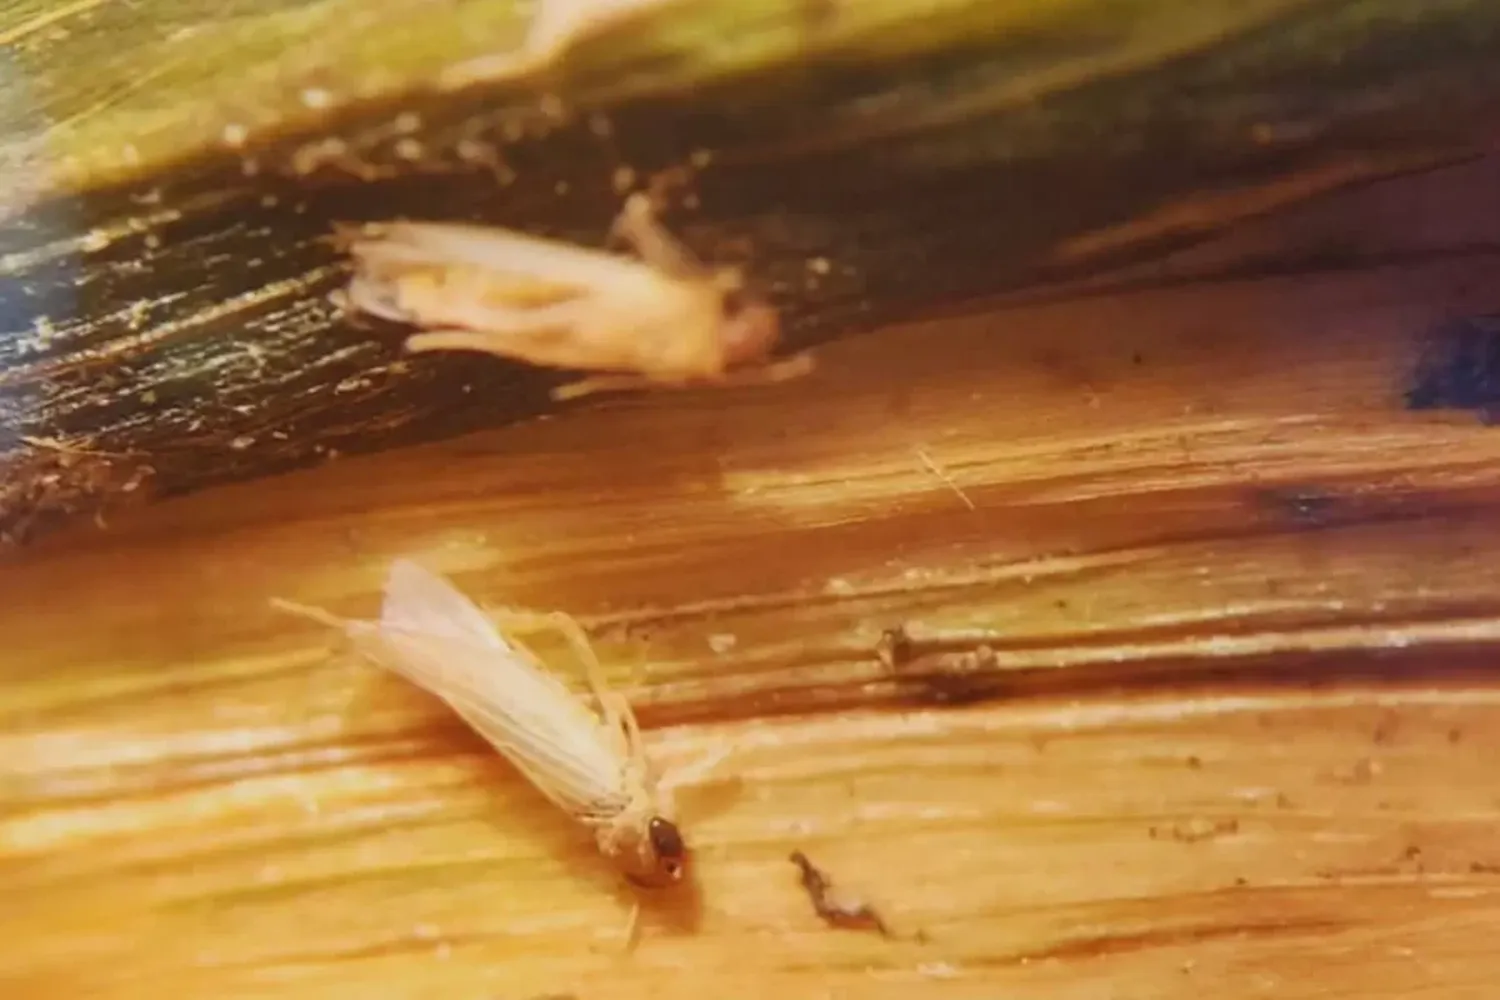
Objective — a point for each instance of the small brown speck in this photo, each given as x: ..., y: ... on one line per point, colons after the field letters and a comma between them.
x: 1359, y: 773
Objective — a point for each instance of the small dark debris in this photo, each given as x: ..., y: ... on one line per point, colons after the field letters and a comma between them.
x: 1195, y: 763
x: 1192, y: 831
x: 958, y: 678
x: 894, y: 647
x: 1302, y: 506
x: 942, y: 677
x: 835, y: 909
x: 1459, y: 368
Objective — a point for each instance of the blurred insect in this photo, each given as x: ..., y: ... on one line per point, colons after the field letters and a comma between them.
x: 664, y: 320
x: 589, y: 763
x: 554, y: 26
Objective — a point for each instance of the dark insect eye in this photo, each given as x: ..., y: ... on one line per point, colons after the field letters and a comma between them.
x: 666, y: 841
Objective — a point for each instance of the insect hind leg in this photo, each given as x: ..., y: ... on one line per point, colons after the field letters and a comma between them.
x: 638, y: 226
x: 783, y: 370
x: 560, y: 623
x: 616, y: 708
x: 595, y: 384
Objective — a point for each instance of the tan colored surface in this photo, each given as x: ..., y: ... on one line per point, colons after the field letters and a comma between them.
x: 195, y: 795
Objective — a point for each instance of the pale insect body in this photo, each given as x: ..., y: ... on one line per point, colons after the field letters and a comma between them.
x: 589, y: 764
x: 664, y: 320
x: 555, y: 25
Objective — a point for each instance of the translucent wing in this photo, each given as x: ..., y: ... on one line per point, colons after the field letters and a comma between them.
x: 510, y: 258
x: 418, y: 600
x: 435, y: 637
